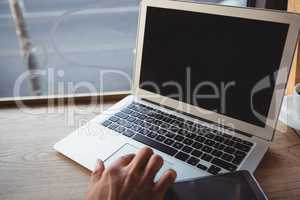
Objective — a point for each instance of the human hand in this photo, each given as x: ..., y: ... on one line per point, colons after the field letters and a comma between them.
x: 131, y: 177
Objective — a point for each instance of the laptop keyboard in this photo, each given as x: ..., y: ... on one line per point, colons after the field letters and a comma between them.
x: 185, y: 140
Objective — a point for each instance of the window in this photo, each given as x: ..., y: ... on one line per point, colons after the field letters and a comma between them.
x: 78, y: 46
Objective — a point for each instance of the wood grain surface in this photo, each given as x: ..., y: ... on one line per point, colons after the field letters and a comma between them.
x: 31, y: 169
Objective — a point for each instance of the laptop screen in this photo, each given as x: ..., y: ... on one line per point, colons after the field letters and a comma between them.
x: 219, y: 63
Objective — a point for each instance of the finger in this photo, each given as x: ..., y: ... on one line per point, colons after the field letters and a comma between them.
x: 140, y: 160
x: 134, y: 171
x: 96, y: 174
x: 112, y: 182
x: 154, y: 165
x: 165, y: 182
x: 123, y: 161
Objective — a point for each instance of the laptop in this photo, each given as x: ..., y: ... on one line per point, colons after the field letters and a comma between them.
x: 208, y: 86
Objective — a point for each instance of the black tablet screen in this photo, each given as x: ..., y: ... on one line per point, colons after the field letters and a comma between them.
x: 224, y: 187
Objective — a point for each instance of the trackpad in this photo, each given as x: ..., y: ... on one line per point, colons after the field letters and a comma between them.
x: 130, y: 149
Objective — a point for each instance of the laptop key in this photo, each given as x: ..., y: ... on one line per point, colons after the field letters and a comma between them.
x: 134, y: 114
x: 120, y: 129
x: 207, y: 149
x: 121, y: 122
x: 142, y: 117
x: 229, y: 150
x: 151, y: 113
x: 138, y: 122
x: 227, y: 157
x: 177, y: 145
x: 196, y: 153
x: 128, y: 125
x: 170, y: 134
x: 173, y: 129
x: 132, y: 105
x: 135, y: 128
x: 210, y: 136
x: 187, y: 149
x: 156, y: 145
x: 190, y: 122
x: 193, y: 161
x: 169, y: 141
x: 114, y: 119
x: 143, y: 131
x: 188, y: 141
x: 200, y: 139
x: 142, y: 110
x: 159, y: 117
x: 131, y: 119
x: 192, y: 129
x: 179, y: 138
x: 190, y: 135
x: 158, y: 122
x: 219, y: 146
x: 236, y: 139
x: 240, y: 154
x: 106, y: 123
x: 200, y: 131
x: 165, y: 125
x: 182, y: 156
x: 229, y: 142
x: 237, y: 160
x: 154, y: 128
x: 209, y: 142
x: 113, y: 126
x: 203, y: 167
x: 144, y: 124
x: 217, y: 153
x: 206, y: 157
x: 223, y: 164
x: 162, y: 131
x: 242, y: 147
x: 214, y: 169
x: 150, y: 119
x: 152, y: 134
x: 122, y: 115
x: 177, y: 123
x: 127, y: 111
x: 182, y: 132
x: 160, y: 138
x: 168, y: 119
x: 219, y: 139
x: 128, y: 133
x: 197, y: 145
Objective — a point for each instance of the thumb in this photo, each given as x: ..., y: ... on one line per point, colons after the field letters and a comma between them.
x: 96, y: 174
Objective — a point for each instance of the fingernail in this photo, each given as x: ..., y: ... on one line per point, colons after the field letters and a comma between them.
x: 97, y: 164
x: 174, y: 174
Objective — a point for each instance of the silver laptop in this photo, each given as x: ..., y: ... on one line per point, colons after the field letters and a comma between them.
x: 208, y: 86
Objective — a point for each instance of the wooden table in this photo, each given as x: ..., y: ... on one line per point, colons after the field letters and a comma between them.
x: 31, y: 169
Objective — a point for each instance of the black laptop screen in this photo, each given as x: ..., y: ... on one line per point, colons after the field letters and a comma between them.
x: 212, y: 61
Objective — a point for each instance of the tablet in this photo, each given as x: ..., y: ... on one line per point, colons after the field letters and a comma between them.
x: 240, y: 185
